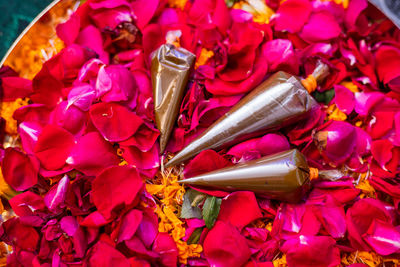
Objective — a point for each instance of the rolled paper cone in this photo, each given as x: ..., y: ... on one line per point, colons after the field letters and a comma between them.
x: 170, y: 68
x: 284, y: 176
x: 277, y: 102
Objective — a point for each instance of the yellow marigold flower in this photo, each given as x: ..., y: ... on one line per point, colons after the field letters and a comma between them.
x: 369, y: 258
x: 366, y: 188
x: 170, y: 197
x: 351, y: 86
x: 335, y: 113
x: 344, y: 3
x: 260, y: 11
x: 281, y: 262
x: 7, y: 110
x: 177, y: 3
x: 5, y: 190
x: 205, y: 55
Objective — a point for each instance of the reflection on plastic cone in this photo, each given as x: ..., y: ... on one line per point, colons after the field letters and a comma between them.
x: 278, y: 101
x: 170, y: 69
x: 284, y: 176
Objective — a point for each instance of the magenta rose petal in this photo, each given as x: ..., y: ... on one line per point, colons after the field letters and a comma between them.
x: 91, y: 38
x: 321, y: 26
x: 54, y: 199
x: 289, y: 18
x: 53, y: 147
x: 114, y: 122
x: 302, y: 251
x: 281, y: 56
x: 29, y: 133
x: 225, y: 246
x: 148, y: 228
x: 81, y: 96
x: 111, y: 188
x: 116, y: 83
x: 92, y: 154
x: 239, y: 209
x: 19, y: 170
x: 69, y: 30
x: 144, y: 10
x: 353, y: 12
x: 383, y: 237
x: 129, y: 224
x: 166, y: 247
x: 344, y: 99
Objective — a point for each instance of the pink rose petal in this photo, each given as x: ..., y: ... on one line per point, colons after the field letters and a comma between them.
x: 321, y: 26
x: 383, y: 237
x: 281, y: 56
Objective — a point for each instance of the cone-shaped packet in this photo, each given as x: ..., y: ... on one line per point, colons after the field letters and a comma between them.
x: 170, y: 68
x: 278, y: 101
x: 284, y: 176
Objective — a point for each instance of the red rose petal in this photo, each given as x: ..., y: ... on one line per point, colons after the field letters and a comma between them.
x: 114, y: 122
x: 19, y: 170
x: 53, y: 147
x: 104, y: 255
x: 92, y: 154
x: 166, y: 247
x: 225, y: 246
x: 115, y: 186
x: 318, y: 251
x: 15, y: 87
x: 205, y: 161
x: 239, y: 209
x: 290, y: 18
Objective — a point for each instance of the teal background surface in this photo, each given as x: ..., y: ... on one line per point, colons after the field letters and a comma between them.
x: 14, y: 17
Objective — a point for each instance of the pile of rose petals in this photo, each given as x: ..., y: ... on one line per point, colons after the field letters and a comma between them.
x: 88, y: 142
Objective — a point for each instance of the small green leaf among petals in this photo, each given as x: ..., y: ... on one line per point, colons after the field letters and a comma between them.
x: 211, y: 210
x: 191, y: 200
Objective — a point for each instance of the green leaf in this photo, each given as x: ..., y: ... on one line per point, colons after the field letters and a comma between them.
x: 195, y: 236
x: 211, y: 210
x: 191, y: 200
x: 324, y: 97
x: 230, y: 3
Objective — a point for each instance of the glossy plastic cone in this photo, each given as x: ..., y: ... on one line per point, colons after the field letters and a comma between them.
x: 278, y: 101
x: 284, y: 176
x: 170, y: 69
